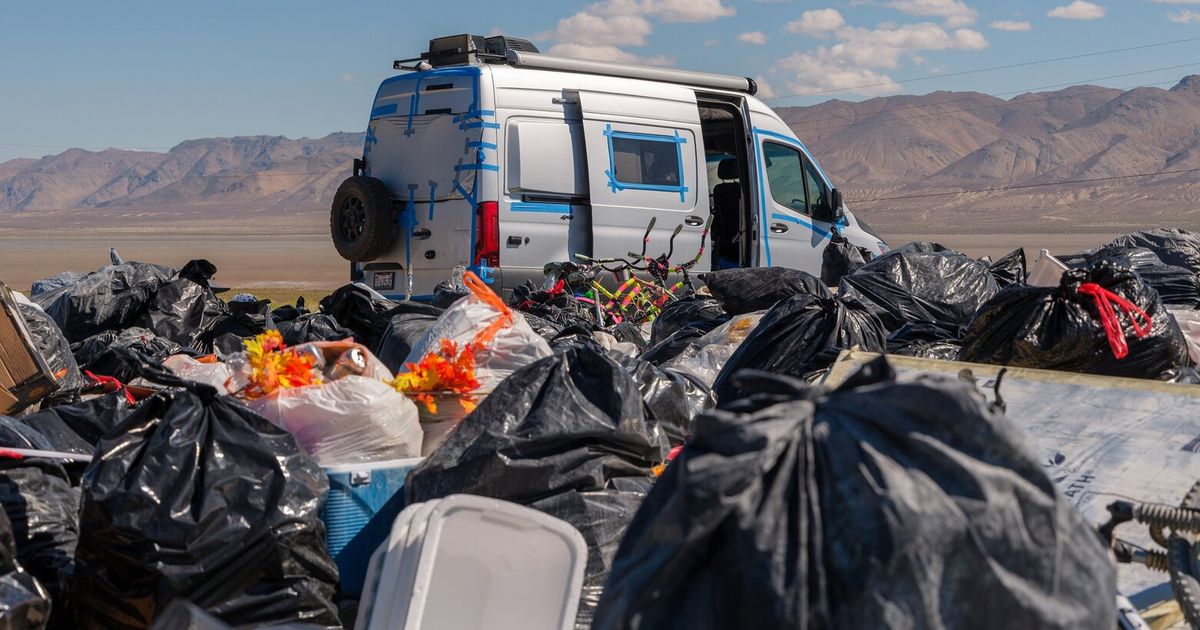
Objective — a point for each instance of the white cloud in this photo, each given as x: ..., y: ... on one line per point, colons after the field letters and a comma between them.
x: 1011, y: 25
x: 590, y: 29
x: 348, y: 78
x: 753, y: 37
x: 1185, y: 17
x: 709, y: 43
x: 1177, y: 1
x: 1078, y: 10
x: 956, y: 12
x: 858, y: 61
x: 817, y: 22
x: 602, y: 28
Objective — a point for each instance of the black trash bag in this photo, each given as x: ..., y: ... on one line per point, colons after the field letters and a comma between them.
x: 53, y: 347
x: 1173, y: 246
x: 1011, y: 269
x: 194, y: 496
x: 24, y: 603
x: 571, y: 336
x: 88, y: 420
x: 140, y: 339
x: 313, y: 327
x: 1176, y: 286
x: 185, y: 309
x: 112, y: 298
x: 566, y: 435
x: 446, y: 293
x: 926, y: 340
x: 1182, y: 375
x: 245, y: 319
x: 800, y: 337
x: 922, y: 282
x: 544, y: 328
x: 878, y: 505
x: 43, y: 510
x: 123, y: 364
x: 556, y: 307
x: 55, y: 282
x: 410, y: 321
x: 703, y: 314
x: 181, y: 614
x: 1062, y: 328
x: 357, y: 310
x: 628, y: 332
x: 745, y: 290
x: 670, y: 398
x: 681, y: 323
x: 289, y: 312
x: 841, y: 258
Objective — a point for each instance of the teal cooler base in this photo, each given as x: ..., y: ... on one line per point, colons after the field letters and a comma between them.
x: 363, y: 502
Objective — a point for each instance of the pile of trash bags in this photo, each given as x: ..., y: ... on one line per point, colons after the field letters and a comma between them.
x: 178, y: 473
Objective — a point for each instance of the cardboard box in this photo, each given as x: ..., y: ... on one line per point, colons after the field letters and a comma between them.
x: 24, y: 376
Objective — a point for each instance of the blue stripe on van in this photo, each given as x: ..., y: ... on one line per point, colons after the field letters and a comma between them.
x: 556, y: 208
x: 383, y: 110
x: 784, y: 217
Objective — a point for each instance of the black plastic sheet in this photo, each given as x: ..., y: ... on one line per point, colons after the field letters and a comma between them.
x: 1060, y: 328
x: 313, y: 327
x: 112, y: 298
x: 357, y: 310
x: 566, y: 435
x: 559, y: 308
x: 800, y: 337
x: 140, y: 339
x: 53, y: 347
x: 289, y: 312
x: 409, y: 322
x: 185, y: 309
x: 244, y: 319
x: 879, y: 505
x: 1172, y: 245
x: 1176, y: 286
x: 88, y: 420
x: 681, y: 323
x: 921, y: 282
x: 54, y: 282
x: 671, y: 398
x: 926, y: 340
x: 195, y: 496
x: 43, y: 510
x: 840, y: 258
x: 1010, y: 269
x: 24, y: 603
x: 746, y: 290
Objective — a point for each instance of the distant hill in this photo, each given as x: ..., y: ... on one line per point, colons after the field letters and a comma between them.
x: 895, y: 157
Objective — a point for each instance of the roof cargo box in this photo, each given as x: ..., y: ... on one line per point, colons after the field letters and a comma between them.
x: 24, y: 376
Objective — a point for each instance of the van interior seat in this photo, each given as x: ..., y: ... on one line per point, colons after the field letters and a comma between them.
x: 727, y: 209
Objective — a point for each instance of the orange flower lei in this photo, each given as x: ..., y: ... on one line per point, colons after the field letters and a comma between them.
x: 445, y: 370
x: 273, y: 366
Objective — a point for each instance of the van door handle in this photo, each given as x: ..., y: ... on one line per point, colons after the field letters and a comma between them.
x: 694, y: 221
x: 778, y: 228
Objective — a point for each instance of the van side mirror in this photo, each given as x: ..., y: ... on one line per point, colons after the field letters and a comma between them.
x: 834, y: 212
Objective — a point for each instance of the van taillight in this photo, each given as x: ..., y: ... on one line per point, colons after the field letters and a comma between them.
x: 487, y: 234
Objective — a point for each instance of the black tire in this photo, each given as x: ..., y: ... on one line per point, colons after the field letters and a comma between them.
x: 362, y: 220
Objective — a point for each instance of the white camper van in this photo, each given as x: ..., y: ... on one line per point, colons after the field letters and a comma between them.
x: 490, y: 155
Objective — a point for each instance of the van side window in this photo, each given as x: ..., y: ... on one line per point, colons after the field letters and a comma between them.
x: 818, y: 193
x: 785, y: 175
x: 643, y: 161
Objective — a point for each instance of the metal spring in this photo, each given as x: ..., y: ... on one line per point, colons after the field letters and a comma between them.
x: 1156, y: 560
x: 1178, y: 519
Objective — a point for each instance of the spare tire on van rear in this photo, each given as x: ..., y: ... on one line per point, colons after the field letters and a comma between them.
x: 361, y: 220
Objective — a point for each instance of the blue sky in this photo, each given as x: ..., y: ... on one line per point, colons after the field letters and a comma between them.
x: 147, y: 75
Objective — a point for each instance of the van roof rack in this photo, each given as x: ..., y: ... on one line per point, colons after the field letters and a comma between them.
x: 465, y: 49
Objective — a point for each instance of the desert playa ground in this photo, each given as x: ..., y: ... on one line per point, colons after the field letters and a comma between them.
x: 308, y: 262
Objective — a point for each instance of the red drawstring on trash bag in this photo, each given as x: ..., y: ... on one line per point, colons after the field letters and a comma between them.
x: 1108, y: 317
x: 105, y: 380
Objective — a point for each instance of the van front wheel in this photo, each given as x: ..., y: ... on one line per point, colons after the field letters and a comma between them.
x: 361, y: 221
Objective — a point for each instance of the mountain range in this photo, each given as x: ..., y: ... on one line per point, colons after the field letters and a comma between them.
x: 1076, y: 159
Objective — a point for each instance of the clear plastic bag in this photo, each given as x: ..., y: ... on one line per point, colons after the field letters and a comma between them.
x: 502, y: 340
x: 705, y: 357
x: 353, y: 420
x: 1189, y: 323
x: 216, y: 374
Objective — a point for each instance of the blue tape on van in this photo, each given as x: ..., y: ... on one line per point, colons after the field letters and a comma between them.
x: 476, y: 167
x: 384, y: 110
x: 432, y: 198
x: 617, y: 185
x: 479, y: 144
x: 527, y: 206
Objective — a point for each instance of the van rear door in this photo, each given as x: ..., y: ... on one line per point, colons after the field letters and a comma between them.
x: 644, y: 160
